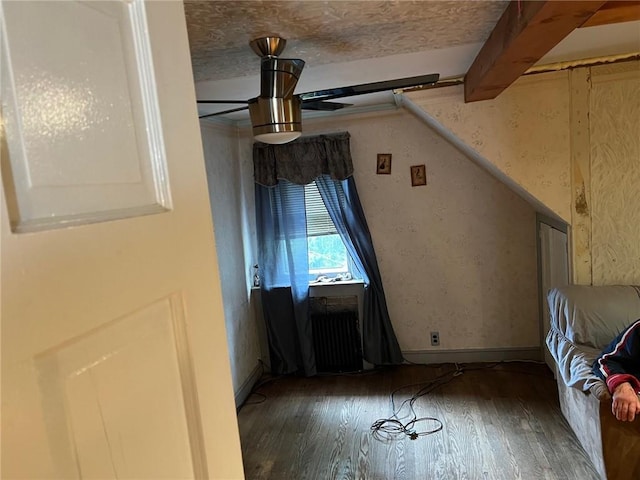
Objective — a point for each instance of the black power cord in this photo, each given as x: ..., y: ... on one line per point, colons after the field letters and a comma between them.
x: 386, y: 429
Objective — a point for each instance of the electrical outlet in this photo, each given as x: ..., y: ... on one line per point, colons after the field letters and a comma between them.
x: 435, y: 339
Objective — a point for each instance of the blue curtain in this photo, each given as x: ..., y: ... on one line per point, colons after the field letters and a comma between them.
x: 284, y: 267
x: 343, y: 204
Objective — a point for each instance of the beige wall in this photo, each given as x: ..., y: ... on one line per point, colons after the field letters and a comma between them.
x: 229, y: 197
x: 614, y: 132
x: 571, y: 140
x: 463, y: 247
x: 458, y: 255
x: 524, y: 133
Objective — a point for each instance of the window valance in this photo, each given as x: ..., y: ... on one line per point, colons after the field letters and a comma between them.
x: 303, y: 160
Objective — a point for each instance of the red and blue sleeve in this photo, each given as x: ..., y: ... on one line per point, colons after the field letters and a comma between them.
x: 620, y: 361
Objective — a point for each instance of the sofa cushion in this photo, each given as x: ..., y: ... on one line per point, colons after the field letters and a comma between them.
x: 593, y: 315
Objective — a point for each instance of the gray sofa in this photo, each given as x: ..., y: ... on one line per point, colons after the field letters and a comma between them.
x: 584, y: 319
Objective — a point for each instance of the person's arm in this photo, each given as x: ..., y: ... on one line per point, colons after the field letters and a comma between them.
x: 617, y: 365
x: 615, y: 379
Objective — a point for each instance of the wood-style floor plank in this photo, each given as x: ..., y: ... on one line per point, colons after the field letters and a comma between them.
x: 500, y: 422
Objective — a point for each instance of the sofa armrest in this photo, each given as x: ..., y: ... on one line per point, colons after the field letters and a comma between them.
x: 573, y: 363
x: 620, y: 445
x: 612, y: 446
x: 593, y: 315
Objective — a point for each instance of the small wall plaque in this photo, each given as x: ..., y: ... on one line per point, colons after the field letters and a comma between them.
x: 418, y: 175
x: 383, y: 165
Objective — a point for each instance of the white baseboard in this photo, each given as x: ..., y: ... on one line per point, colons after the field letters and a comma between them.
x: 473, y: 355
x: 245, y: 389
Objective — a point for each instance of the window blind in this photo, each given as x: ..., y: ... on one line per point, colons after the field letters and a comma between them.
x: 318, y: 219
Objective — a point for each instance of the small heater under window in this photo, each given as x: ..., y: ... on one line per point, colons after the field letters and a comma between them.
x: 336, y: 341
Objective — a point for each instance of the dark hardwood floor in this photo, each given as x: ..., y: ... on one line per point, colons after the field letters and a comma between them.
x: 499, y: 422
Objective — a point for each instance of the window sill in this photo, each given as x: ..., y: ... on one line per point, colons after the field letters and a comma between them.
x: 338, y: 282
x: 329, y: 284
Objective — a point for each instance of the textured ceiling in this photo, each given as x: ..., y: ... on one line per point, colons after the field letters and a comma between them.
x: 322, y: 32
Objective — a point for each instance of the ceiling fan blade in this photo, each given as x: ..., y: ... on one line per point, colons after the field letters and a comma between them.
x: 323, y: 106
x: 239, y: 109
x: 374, y: 87
x: 245, y: 102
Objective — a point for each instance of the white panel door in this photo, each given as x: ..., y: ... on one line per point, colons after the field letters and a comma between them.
x: 114, y: 355
x: 555, y: 273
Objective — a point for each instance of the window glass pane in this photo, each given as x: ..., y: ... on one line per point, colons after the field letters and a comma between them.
x: 327, y: 253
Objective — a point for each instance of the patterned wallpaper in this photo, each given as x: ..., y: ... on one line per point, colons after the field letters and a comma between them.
x: 614, y: 129
x: 457, y: 255
x: 229, y: 197
x: 322, y: 32
x: 524, y: 132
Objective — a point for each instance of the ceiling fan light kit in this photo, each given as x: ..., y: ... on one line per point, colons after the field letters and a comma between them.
x: 276, y: 120
x: 276, y: 114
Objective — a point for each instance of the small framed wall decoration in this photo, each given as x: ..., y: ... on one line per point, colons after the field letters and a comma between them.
x: 418, y: 175
x: 383, y: 165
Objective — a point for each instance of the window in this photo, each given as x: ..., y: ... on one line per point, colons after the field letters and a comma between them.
x: 327, y: 253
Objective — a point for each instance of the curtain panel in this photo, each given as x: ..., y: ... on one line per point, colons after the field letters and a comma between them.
x: 380, y: 345
x: 283, y: 262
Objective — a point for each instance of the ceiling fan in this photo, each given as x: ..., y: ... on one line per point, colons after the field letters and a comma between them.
x: 276, y: 114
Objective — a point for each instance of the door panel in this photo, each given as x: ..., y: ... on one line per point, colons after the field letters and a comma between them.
x: 114, y: 355
x: 78, y: 85
x: 554, y: 262
x: 101, y: 388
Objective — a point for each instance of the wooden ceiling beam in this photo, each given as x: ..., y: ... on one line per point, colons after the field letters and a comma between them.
x: 615, y: 12
x: 526, y: 31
